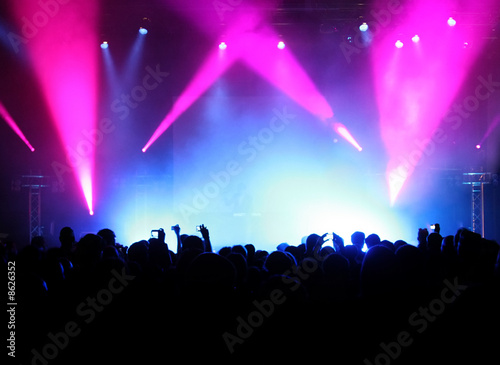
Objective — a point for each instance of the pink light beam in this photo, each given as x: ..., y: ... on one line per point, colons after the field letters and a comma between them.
x: 416, y: 85
x: 280, y: 68
x: 490, y: 129
x: 64, y: 53
x: 257, y: 49
x: 213, y: 67
x: 12, y: 124
x: 342, y: 130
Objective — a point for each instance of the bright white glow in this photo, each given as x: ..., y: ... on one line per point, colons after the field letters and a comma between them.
x: 264, y: 187
x: 86, y: 183
x: 281, y: 45
x: 399, y: 44
x: 451, y: 22
x: 478, y: 146
x: 104, y: 45
x: 222, y: 45
x: 415, y: 38
x: 340, y: 129
x: 396, y: 178
x: 143, y: 30
x: 363, y: 27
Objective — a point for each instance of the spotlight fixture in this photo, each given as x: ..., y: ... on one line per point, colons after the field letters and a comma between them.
x: 222, y: 45
x: 281, y: 45
x: 363, y: 27
x: 145, y: 25
x: 104, y: 45
x: 415, y: 38
x: 452, y: 22
x: 399, y: 44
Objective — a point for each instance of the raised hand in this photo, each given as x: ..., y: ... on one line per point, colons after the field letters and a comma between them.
x: 206, y: 237
x: 204, y: 231
x: 176, y: 229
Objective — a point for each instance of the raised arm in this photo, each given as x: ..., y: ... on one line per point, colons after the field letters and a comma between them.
x: 177, y: 231
x: 206, y: 238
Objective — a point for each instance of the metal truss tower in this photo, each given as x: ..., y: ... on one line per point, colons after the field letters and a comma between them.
x: 35, y: 184
x: 477, y: 180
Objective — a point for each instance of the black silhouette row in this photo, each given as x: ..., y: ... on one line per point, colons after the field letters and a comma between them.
x: 96, y: 301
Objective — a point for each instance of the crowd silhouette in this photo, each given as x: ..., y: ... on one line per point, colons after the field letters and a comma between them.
x: 97, y: 301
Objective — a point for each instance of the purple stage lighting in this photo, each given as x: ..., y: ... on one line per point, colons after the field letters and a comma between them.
x: 363, y: 27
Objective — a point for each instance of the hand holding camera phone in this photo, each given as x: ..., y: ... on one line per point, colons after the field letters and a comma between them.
x: 435, y: 227
x: 158, y: 234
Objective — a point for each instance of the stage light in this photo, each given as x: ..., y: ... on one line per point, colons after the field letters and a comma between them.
x: 257, y: 51
x: 113, y: 79
x: 222, y: 45
x: 399, y: 44
x: 281, y: 45
x: 363, y: 27
x: 415, y: 38
x: 133, y: 60
x: 144, y: 25
x: 396, y: 179
x: 104, y: 45
x: 12, y: 124
x: 342, y: 130
x: 406, y: 114
x: 277, y: 71
x: 493, y: 125
x: 85, y: 177
x: 212, y: 68
x: 71, y: 97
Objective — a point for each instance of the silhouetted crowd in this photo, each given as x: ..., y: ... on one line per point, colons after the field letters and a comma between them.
x: 97, y: 302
